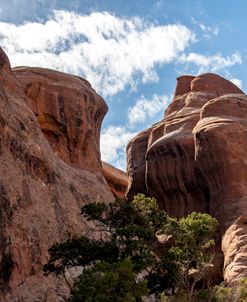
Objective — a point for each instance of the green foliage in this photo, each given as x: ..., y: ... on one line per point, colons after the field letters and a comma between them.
x: 242, y: 290
x: 221, y: 294
x: 125, y: 250
x: 193, y: 236
x: 188, y: 261
x: 238, y: 292
x: 79, y: 252
x: 179, y: 296
x: 109, y: 282
x: 218, y: 293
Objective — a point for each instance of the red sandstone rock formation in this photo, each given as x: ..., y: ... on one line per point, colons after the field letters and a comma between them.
x: 40, y: 194
x: 195, y: 159
x: 117, y: 180
x: 234, y: 247
x: 69, y: 112
x: 220, y: 151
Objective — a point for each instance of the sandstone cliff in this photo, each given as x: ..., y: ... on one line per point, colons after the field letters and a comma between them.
x: 117, y: 180
x: 195, y: 160
x: 45, y: 175
x: 69, y: 113
x: 50, y: 165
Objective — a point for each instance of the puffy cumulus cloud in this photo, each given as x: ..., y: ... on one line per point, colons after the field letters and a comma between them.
x: 113, y: 142
x: 110, y: 51
x: 145, y: 109
x: 212, y: 63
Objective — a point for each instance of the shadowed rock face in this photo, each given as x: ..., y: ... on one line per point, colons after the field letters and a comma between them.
x: 195, y: 159
x: 220, y: 151
x: 161, y: 159
x: 136, y: 164
x: 40, y: 194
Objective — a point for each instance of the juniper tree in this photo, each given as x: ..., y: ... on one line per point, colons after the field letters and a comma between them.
x: 122, y: 264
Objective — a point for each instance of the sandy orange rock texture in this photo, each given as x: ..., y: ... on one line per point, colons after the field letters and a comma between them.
x: 42, y: 185
x: 195, y: 159
x: 69, y: 113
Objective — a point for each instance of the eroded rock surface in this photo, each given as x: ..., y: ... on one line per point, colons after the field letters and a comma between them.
x: 220, y: 151
x: 234, y: 247
x: 40, y: 194
x: 69, y: 112
x: 116, y: 179
x: 195, y: 159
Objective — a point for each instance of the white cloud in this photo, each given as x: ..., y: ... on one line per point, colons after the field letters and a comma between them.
x: 113, y: 142
x: 145, y: 109
x: 110, y: 51
x: 209, y: 31
x: 212, y: 63
x: 237, y: 82
x: 159, y: 3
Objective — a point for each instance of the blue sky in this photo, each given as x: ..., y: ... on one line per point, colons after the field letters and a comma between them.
x: 131, y: 51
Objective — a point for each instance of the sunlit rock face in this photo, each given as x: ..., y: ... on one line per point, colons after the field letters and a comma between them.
x: 69, y: 112
x: 44, y: 185
x: 234, y: 247
x: 195, y: 159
